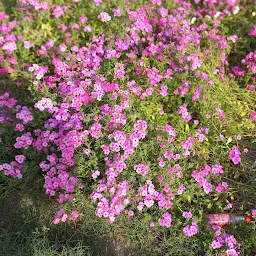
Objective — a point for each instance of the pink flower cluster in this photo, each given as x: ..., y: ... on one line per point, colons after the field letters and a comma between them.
x: 63, y: 216
x: 205, y: 172
x: 238, y: 71
x: 6, y: 101
x: 44, y: 103
x: 225, y: 242
x: 253, y: 115
x: 187, y: 144
x: 191, y: 230
x: 222, y: 187
x: 187, y: 215
x: 141, y: 169
x: 166, y: 221
x: 14, y: 169
x: 250, y: 62
x: 44, y: 51
x: 24, y: 141
x: 104, y: 16
x: 24, y: 114
x: 183, y: 111
x: 59, y: 11
x: 235, y: 155
x: 221, y: 114
x: 253, y: 31
x: 147, y: 196
x: 183, y: 89
x: 37, y: 5
x: 38, y: 71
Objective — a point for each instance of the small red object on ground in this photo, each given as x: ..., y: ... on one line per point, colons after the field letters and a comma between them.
x: 225, y: 219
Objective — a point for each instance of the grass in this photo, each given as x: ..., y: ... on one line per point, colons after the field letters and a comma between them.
x: 26, y: 229
x: 26, y: 214
x: 8, y: 5
x: 25, y: 223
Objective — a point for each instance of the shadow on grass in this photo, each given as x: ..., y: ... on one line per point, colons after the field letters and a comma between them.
x: 8, y: 5
x: 26, y: 228
x: 241, y: 25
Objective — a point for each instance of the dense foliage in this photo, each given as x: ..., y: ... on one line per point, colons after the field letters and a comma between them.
x: 142, y: 110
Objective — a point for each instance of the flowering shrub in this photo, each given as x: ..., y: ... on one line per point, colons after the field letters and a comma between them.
x: 226, y: 242
x: 129, y: 109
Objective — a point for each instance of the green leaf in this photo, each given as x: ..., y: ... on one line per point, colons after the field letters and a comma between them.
x: 229, y: 140
x: 187, y: 128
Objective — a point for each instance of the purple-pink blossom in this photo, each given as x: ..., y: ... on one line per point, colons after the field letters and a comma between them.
x: 104, y: 16
x: 235, y: 155
x: 191, y: 230
x: 141, y: 169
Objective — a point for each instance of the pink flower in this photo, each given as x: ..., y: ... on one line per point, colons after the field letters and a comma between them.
x: 152, y: 224
x: 141, y: 169
x: 82, y: 19
x: 181, y: 189
x: 28, y: 44
x: 64, y: 218
x: 233, y: 38
x: 250, y: 87
x: 158, y: 2
x: 166, y: 220
x: 217, y: 169
x: 163, y: 91
x: 238, y: 137
x: 187, y: 215
x: 230, y: 205
x: 238, y: 71
x: 216, y: 244
x: 253, y: 31
x: 20, y: 159
x: 44, y: 103
x: 207, y: 186
x: 117, y: 12
x: 75, y: 214
x: 95, y: 174
x: 56, y: 220
x: 197, y: 93
x: 246, y: 150
x: 130, y: 213
x: 190, y: 230
x: 19, y: 127
x: 104, y: 16
x: 253, y: 116
x: 97, y: 2
x: 235, y: 155
x: 87, y: 28
x: 58, y: 11
x: 254, y: 212
x: 222, y: 187
x: 140, y: 206
x: 87, y: 151
x: 183, y: 111
x: 221, y: 113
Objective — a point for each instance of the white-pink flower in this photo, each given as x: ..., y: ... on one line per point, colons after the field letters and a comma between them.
x: 141, y: 169
x: 104, y: 16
